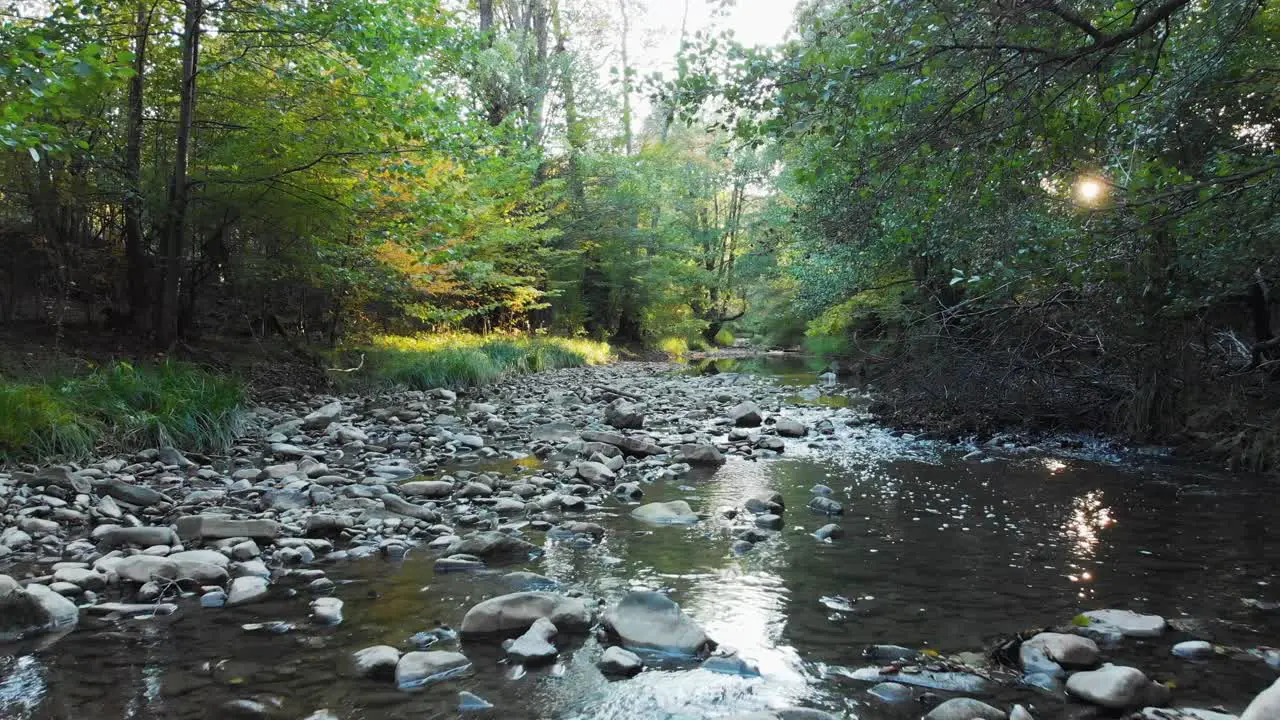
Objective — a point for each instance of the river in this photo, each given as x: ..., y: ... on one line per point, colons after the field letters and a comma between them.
x: 940, y: 553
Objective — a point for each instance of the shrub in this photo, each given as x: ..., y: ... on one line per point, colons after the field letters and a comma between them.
x: 724, y: 338
x: 423, y: 362
x: 674, y: 347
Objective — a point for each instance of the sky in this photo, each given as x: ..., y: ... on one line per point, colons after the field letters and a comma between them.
x: 754, y: 22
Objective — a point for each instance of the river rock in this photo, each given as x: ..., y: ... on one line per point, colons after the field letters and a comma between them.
x: 1111, y: 686
x: 830, y: 531
x: 699, y: 454
x: 493, y: 545
x: 631, y: 445
x: 377, y: 662
x: 826, y: 506
x: 619, y: 661
x: 676, y: 512
x: 630, y: 491
x: 145, y: 568
x: 214, y: 527
x: 434, y: 489
x: 769, y: 521
x: 623, y: 415
x: 415, y: 669
x: 247, y: 589
x: 965, y: 709
x: 1125, y: 622
x: 33, y: 610
x: 326, y: 610
x: 321, y: 418
x: 787, y: 427
x: 136, y: 536
x: 400, y: 506
x: 1070, y: 651
x: 58, y: 476
x: 82, y: 578
x: 1266, y: 706
x: 131, y: 493
x: 534, y: 646
x: 652, y: 621
x: 594, y: 472
x: 745, y: 414
x: 1194, y: 649
x: 517, y: 612
x: 458, y: 563
x: 891, y: 692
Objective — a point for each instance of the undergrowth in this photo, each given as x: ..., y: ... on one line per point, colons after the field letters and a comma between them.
x: 452, y: 360
x: 121, y: 407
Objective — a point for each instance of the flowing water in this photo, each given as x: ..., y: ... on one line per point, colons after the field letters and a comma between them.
x: 939, y: 553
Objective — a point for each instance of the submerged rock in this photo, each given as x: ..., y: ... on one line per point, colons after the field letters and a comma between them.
x: 493, y: 545
x: 33, y: 610
x: 891, y: 692
x: 470, y: 702
x: 699, y: 454
x: 652, y: 621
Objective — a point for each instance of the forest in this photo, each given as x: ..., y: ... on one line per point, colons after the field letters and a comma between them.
x: 1054, y: 215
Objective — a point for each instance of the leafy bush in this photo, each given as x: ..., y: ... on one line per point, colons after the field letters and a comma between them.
x: 120, y: 406
x: 423, y: 362
x: 674, y: 347
x: 724, y: 338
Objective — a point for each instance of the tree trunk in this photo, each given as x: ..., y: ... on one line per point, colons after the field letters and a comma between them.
x: 573, y: 127
x: 134, y: 249
x: 540, y: 80
x: 169, y: 328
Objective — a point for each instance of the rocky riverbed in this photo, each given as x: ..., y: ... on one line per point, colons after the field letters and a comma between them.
x: 630, y: 541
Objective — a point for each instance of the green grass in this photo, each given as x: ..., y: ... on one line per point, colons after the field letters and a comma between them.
x: 454, y: 360
x: 119, y: 407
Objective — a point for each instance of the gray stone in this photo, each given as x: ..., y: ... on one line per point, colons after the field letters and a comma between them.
x: 1111, y: 686
x: 82, y: 578
x: 1125, y: 622
x: 594, y: 472
x: 699, y: 454
x: 287, y: 499
x: 247, y: 589
x: 435, y: 489
x: 493, y: 545
x: 534, y: 646
x: 745, y: 414
x: 517, y: 612
x: 326, y: 610
x: 174, y: 456
x: 33, y: 610
x: 321, y: 418
x: 213, y: 527
x: 623, y: 415
x: 377, y: 662
x: 136, y: 536
x: 676, y: 512
x: 421, y: 668
x: 631, y: 445
x: 458, y: 563
x: 628, y: 490
x: 1070, y: 651
x: 787, y: 427
x: 1194, y: 649
x: 131, y: 493
x: 769, y: 522
x: 891, y: 692
x: 830, y: 531
x: 145, y: 568
x: 1266, y: 706
x: 619, y: 661
x: 965, y: 709
x: 58, y: 476
x: 470, y: 702
x: 826, y: 506
x: 400, y: 506
x: 650, y: 620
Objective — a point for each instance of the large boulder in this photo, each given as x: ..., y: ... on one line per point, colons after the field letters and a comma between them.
x: 247, y: 589
x: 518, y: 612
x: 745, y: 414
x: 623, y: 415
x: 652, y: 621
x: 676, y: 512
x: 138, y: 536
x: 33, y: 610
x: 787, y: 427
x: 217, y: 527
x: 493, y: 545
x: 421, y: 668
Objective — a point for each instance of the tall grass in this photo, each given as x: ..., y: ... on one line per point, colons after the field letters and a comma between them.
x: 423, y: 362
x: 120, y: 407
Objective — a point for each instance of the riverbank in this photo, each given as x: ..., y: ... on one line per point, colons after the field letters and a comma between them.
x: 359, y: 533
